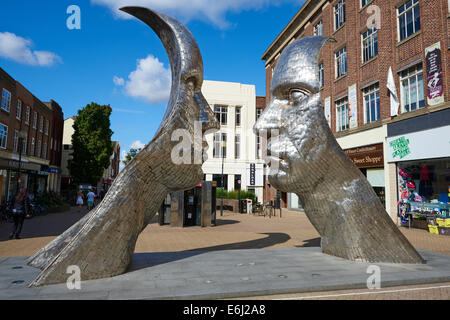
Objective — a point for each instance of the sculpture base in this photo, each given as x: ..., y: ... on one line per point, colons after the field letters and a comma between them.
x: 225, y: 274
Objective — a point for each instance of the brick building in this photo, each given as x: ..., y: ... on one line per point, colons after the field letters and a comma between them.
x: 384, y: 80
x: 30, y: 136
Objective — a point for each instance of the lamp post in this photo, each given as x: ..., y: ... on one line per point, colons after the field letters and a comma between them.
x: 224, y: 144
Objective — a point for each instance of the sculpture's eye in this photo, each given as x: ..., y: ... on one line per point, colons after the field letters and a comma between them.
x: 297, y: 95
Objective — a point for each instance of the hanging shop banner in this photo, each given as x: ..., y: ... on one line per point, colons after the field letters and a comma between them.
x: 427, y: 144
x: 327, y: 110
x: 367, y: 156
x: 435, y: 77
x: 353, y: 106
x: 255, y: 174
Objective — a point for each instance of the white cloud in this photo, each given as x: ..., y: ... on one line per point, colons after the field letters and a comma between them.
x: 211, y: 11
x: 137, y: 145
x: 151, y: 81
x: 19, y: 49
x: 118, y: 81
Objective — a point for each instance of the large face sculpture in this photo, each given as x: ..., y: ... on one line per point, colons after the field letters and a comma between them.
x: 290, y: 118
x: 187, y: 108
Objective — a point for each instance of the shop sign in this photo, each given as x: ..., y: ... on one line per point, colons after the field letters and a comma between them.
x: 400, y: 148
x: 426, y: 144
x: 367, y: 157
x: 255, y: 174
x: 435, y: 81
x: 252, y: 174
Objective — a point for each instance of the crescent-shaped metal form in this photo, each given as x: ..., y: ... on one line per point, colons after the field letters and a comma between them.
x: 307, y: 160
x: 102, y: 243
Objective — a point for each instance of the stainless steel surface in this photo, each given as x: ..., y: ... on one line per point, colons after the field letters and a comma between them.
x: 103, y: 242
x: 307, y: 160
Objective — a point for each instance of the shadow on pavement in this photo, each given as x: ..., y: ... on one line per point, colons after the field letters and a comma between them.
x: 150, y: 259
x: 222, y: 222
x: 47, y: 225
x: 310, y: 243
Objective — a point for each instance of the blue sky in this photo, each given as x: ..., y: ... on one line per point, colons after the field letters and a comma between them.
x: 115, y: 60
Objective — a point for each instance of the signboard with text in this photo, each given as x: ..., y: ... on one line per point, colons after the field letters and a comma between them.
x: 367, y: 157
x: 435, y: 77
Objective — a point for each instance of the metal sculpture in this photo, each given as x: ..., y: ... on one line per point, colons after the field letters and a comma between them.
x: 307, y: 160
x: 102, y: 243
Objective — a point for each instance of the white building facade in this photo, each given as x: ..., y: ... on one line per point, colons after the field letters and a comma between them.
x: 234, y: 147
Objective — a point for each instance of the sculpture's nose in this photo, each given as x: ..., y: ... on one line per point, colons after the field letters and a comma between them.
x: 269, y: 119
x: 206, y: 115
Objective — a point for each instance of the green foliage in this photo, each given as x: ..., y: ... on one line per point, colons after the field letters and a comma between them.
x: 130, y: 155
x: 91, y: 142
x: 235, y: 194
x: 49, y: 199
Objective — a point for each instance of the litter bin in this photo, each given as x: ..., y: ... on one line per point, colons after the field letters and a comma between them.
x: 249, y: 205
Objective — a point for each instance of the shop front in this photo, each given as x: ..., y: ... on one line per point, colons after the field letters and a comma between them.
x: 423, y: 177
x: 370, y: 160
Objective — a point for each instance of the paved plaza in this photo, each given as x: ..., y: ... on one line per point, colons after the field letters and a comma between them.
x: 242, y: 233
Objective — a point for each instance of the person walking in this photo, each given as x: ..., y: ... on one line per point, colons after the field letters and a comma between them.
x: 80, y: 201
x: 19, y: 212
x: 90, y: 199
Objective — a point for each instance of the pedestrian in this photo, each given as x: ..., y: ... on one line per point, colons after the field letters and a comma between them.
x: 19, y: 212
x: 90, y: 200
x: 80, y: 198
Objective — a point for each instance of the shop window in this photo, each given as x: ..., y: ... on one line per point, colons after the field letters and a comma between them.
x: 3, y: 136
x: 408, y: 19
x: 372, y: 103
x: 369, y: 46
x: 424, y: 189
x: 412, y: 89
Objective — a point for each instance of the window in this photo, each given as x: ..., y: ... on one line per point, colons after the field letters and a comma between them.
x: 408, y: 19
x: 238, y: 116
x: 339, y: 14
x: 258, y: 147
x: 321, y: 75
x: 369, y: 44
x: 342, y: 114
x: 34, y: 120
x: 38, y: 152
x: 3, y: 136
x: 24, y: 145
x: 41, y: 124
x: 6, y: 100
x: 318, y: 28
x: 44, y: 151
x: 372, y: 103
x: 237, y: 146
x: 47, y: 124
x: 221, y: 114
x: 19, y: 110
x: 364, y: 2
x: 258, y: 113
x: 341, y: 62
x: 27, y: 115
x: 16, y: 141
x: 32, y: 147
x: 220, y: 145
x: 221, y: 180
x: 412, y: 89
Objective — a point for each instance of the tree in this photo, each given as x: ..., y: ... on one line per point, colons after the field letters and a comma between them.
x: 130, y: 155
x: 91, y: 142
